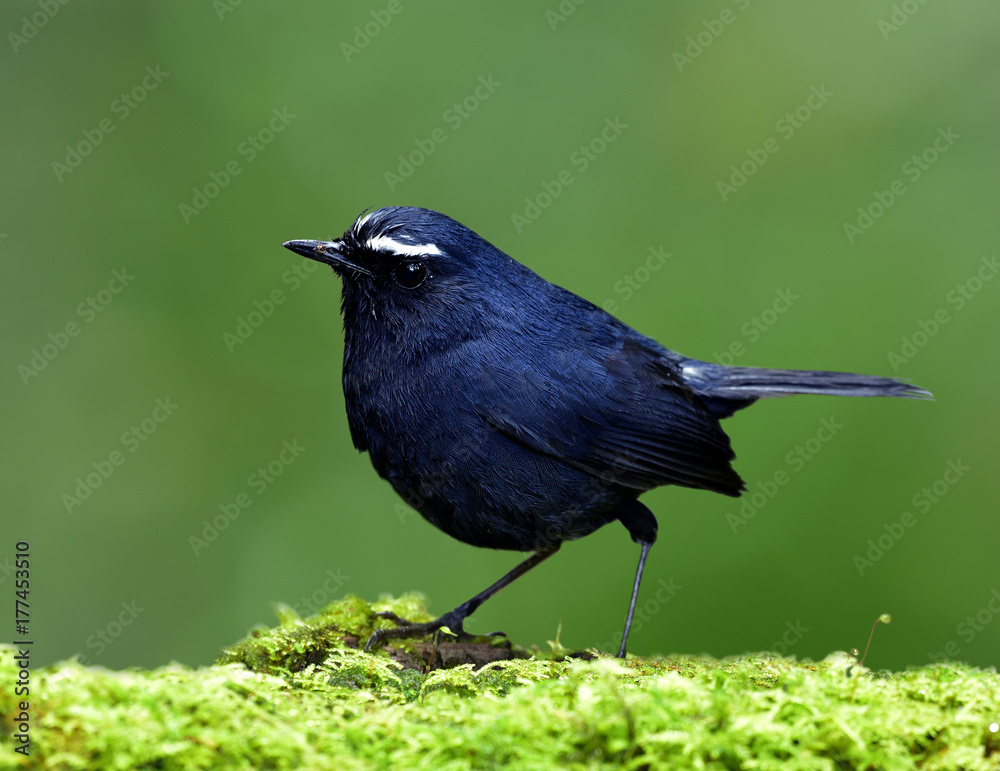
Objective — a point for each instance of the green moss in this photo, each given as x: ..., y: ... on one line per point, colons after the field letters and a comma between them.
x: 344, y: 626
x: 311, y: 700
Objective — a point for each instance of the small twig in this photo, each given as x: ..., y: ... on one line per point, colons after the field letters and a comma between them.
x: 885, y: 618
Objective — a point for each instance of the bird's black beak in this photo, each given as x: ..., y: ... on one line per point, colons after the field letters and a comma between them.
x: 327, y: 252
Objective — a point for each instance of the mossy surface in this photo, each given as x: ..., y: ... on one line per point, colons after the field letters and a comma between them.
x: 312, y: 700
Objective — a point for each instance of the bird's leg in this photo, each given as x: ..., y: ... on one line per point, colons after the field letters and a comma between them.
x: 635, y: 593
x: 641, y: 525
x: 454, y: 619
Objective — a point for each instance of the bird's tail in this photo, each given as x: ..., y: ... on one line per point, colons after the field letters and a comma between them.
x: 727, y: 389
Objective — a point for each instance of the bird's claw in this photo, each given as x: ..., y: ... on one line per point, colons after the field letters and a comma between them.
x: 449, y: 621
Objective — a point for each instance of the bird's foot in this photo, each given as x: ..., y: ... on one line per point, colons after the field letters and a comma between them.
x: 452, y: 621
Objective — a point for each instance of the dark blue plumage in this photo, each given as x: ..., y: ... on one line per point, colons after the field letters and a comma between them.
x: 514, y: 414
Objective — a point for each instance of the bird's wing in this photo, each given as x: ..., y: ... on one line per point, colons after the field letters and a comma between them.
x: 618, y: 410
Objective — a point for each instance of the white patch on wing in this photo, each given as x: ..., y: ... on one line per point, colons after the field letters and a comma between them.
x: 386, y: 244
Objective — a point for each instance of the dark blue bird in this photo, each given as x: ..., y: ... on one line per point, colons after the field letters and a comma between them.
x: 513, y: 414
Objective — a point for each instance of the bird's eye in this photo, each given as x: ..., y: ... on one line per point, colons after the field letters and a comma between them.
x: 410, y: 274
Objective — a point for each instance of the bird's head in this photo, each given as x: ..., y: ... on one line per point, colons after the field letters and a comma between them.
x: 406, y: 268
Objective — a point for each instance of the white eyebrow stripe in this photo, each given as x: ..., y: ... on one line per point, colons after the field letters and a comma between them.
x: 386, y: 244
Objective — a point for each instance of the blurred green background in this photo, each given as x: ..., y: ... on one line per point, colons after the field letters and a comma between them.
x: 157, y: 155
